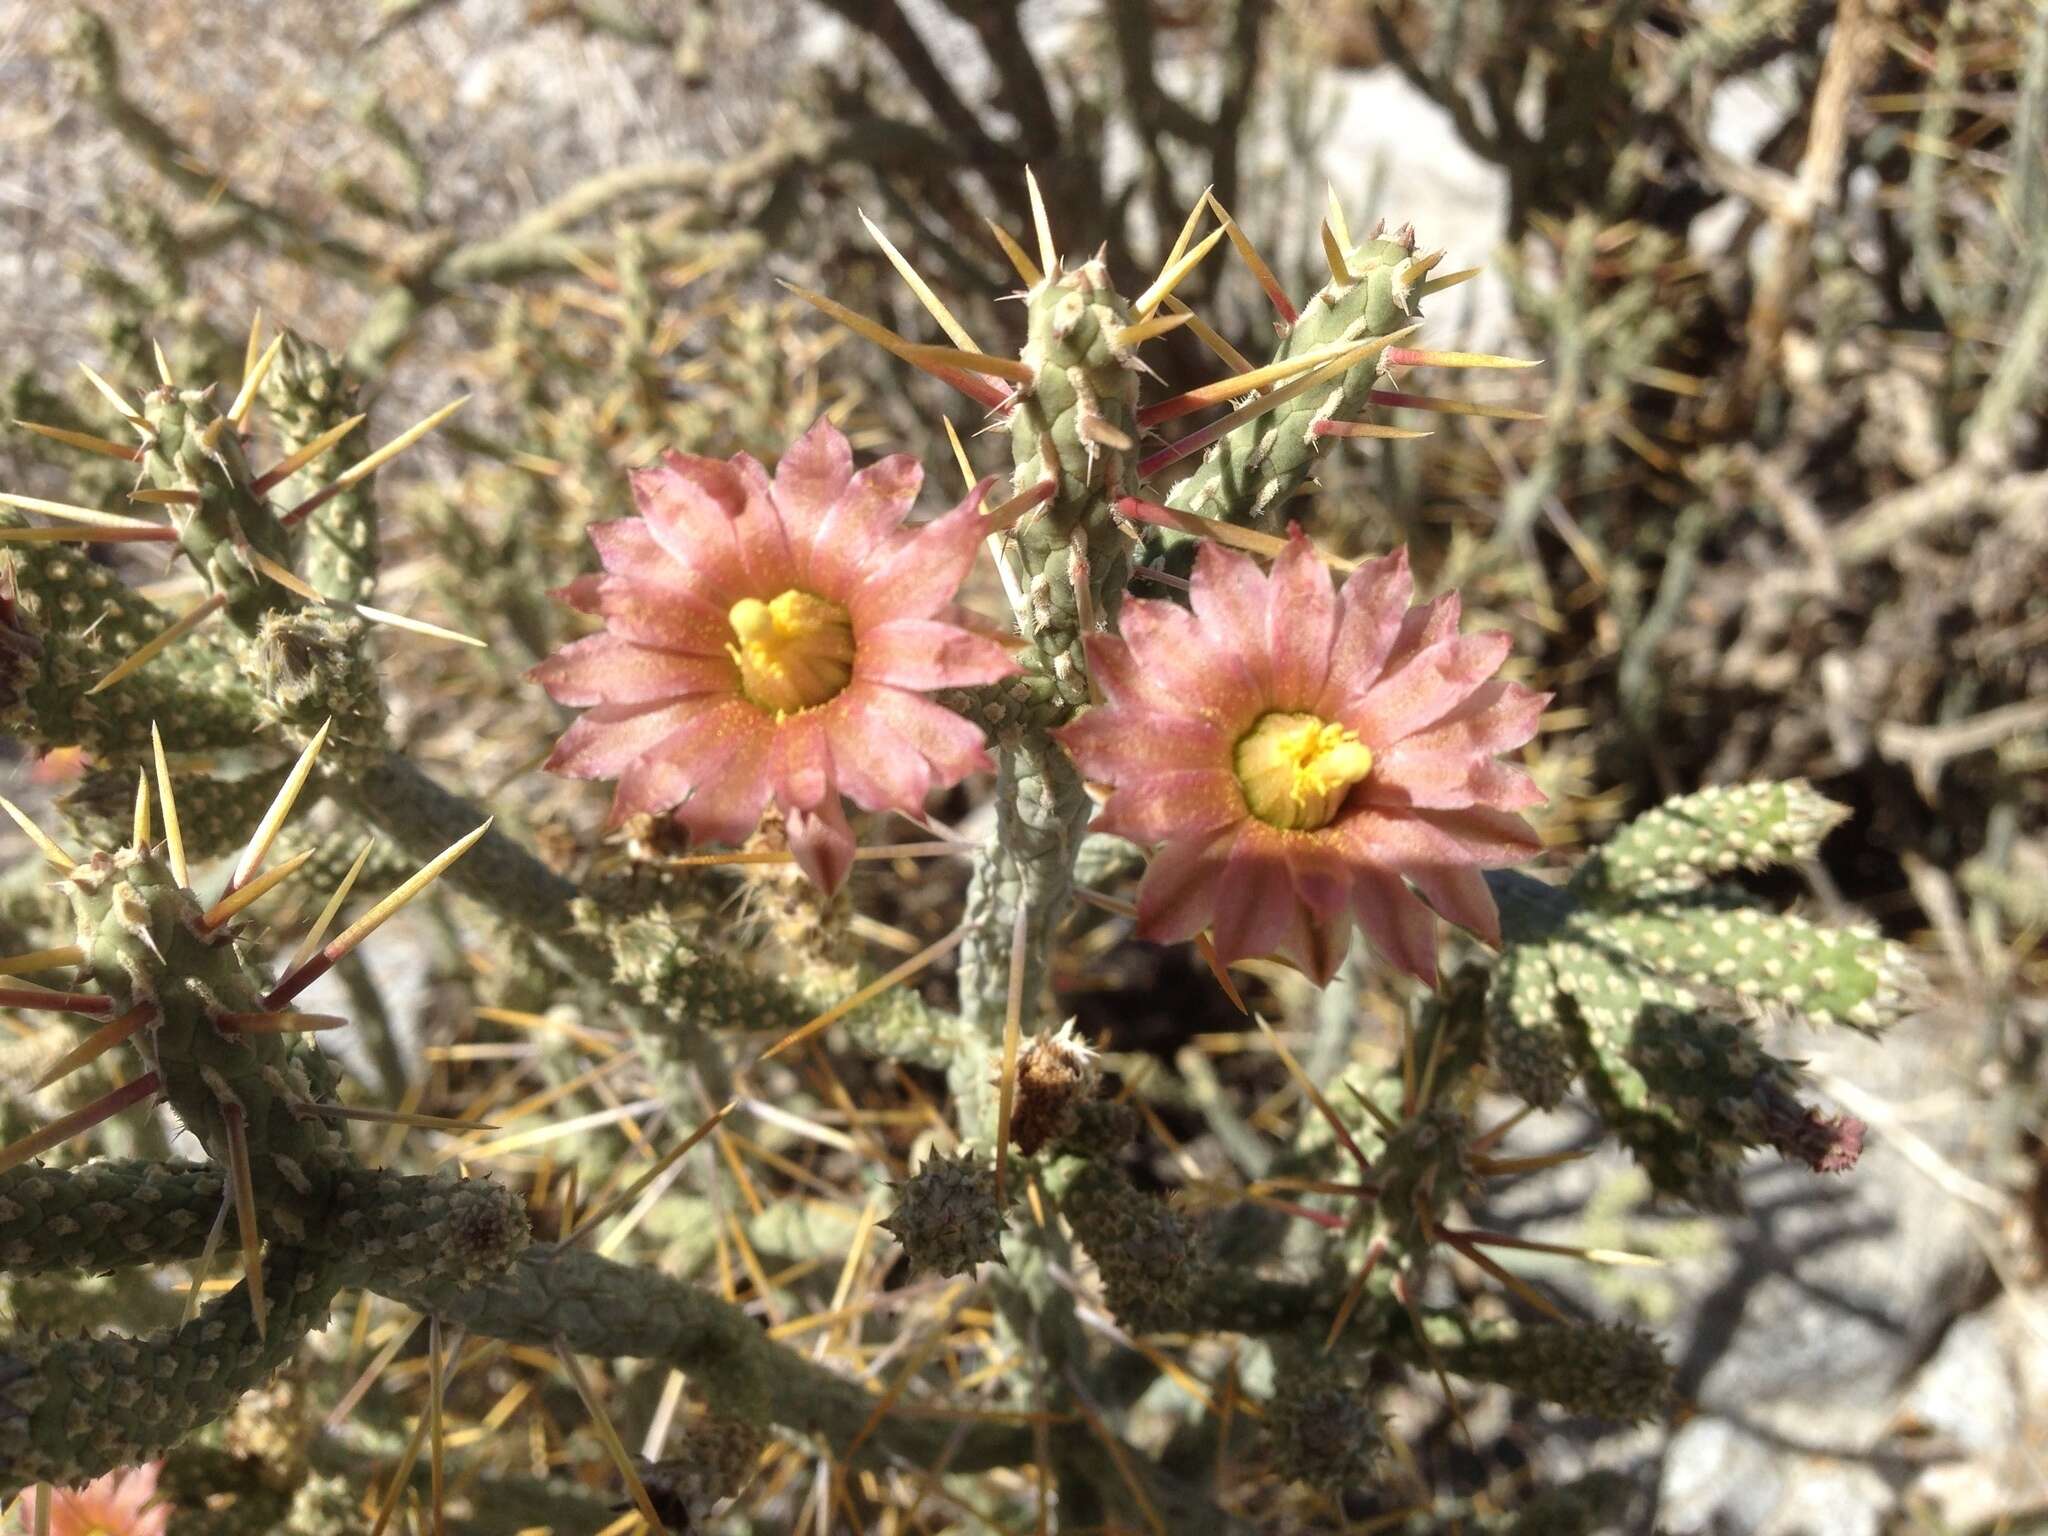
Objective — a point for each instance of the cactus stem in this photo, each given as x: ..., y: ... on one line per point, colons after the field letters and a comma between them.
x: 65, y: 511
x: 1314, y: 1094
x: 1013, y: 1028
x: 1422, y: 357
x: 1195, y: 442
x: 1375, y: 1251
x: 1248, y: 382
x: 1173, y: 275
x: 1446, y: 407
x: 253, y: 380
x: 934, y: 306
x: 315, y: 966
x: 1048, y: 254
x: 364, y: 467
x: 241, y: 897
x: 1333, y: 255
x: 1256, y: 265
x: 168, y: 636
x: 96, y: 1045
x: 116, y: 400
x: 614, y: 1447
x: 875, y: 988
x: 79, y: 1121
x: 318, y: 932
x: 42, y: 960
x: 242, y: 1180
x: 1025, y: 270
x: 976, y: 389
x: 86, y: 442
x: 291, y: 465
x: 174, y: 835
x: 1362, y: 429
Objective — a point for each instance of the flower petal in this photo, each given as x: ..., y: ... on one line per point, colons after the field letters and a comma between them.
x: 1168, y: 805
x: 1317, y: 944
x: 719, y: 761
x: 925, y: 653
x: 919, y: 576
x: 1399, y: 926
x: 690, y: 504
x: 952, y: 745
x: 1253, y: 899
x: 1373, y: 602
x: 609, y: 669
x: 1426, y: 688
x: 800, y: 767
x: 823, y: 843
x: 604, y: 740
x: 764, y: 540
x: 1407, y: 840
x: 1177, y: 897
x: 1123, y: 746
x: 812, y: 474
x: 1228, y: 595
x: 861, y: 521
x: 1172, y: 664
x: 1301, y: 623
x: 1463, y: 897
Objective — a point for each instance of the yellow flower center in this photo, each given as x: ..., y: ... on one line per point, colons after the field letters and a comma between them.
x: 794, y: 652
x: 1296, y: 770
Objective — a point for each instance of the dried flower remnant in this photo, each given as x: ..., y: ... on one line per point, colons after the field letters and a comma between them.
x: 1299, y: 757
x: 772, y: 640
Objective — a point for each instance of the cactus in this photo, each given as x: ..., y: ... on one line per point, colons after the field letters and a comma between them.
x: 1315, y: 762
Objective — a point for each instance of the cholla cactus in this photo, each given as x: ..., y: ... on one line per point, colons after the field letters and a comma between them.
x: 1289, y: 759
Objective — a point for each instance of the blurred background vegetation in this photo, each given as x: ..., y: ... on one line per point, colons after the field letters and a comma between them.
x: 1783, y: 511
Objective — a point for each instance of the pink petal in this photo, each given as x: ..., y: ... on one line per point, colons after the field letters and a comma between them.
x: 1399, y: 926
x: 1406, y: 840
x: 1373, y: 602
x: 1175, y: 665
x: 877, y: 768
x: 951, y: 744
x: 1229, y: 600
x: 766, y: 549
x: 1443, y: 781
x: 608, y: 669
x: 924, y: 653
x: 920, y: 574
x: 1463, y: 897
x: 1122, y: 746
x: 1177, y: 897
x: 1431, y: 623
x: 1428, y: 687
x: 1253, y: 900
x: 582, y: 593
x: 1173, y: 805
x: 1301, y: 623
x: 801, y: 764
x: 604, y: 740
x: 860, y: 522
x: 823, y: 844
x: 670, y: 618
x: 721, y: 762
x: 1317, y: 944
x: 690, y: 504
x: 812, y: 474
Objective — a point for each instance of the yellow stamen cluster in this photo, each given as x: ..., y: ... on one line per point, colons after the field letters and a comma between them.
x: 794, y: 652
x: 1296, y: 770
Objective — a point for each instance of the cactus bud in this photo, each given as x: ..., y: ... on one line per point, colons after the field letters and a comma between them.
x: 1607, y: 1369
x: 1321, y: 1430
x: 1139, y: 1244
x: 946, y: 1216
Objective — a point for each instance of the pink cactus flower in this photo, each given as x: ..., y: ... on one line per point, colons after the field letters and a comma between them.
x: 1301, y: 757
x: 773, y: 639
x: 119, y: 1504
